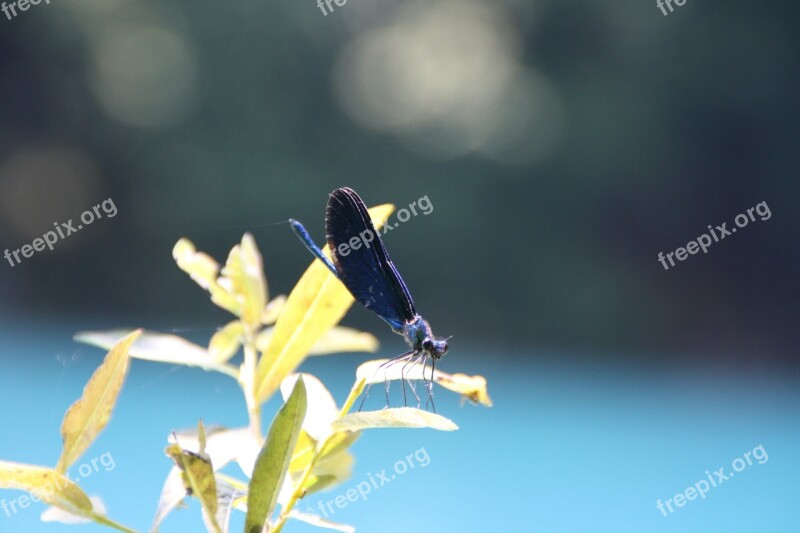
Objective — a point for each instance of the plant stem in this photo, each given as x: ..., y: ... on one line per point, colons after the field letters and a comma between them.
x: 100, y: 519
x: 248, y: 385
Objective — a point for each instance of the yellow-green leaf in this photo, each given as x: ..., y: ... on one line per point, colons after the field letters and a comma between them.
x: 316, y: 483
x: 54, y: 488
x: 200, y: 267
x: 243, y: 276
x: 54, y: 514
x: 333, y: 468
x: 158, y: 347
x: 316, y: 304
x: 341, y: 340
x: 403, y: 417
x: 48, y: 485
x: 225, y: 343
x: 204, y: 271
x: 306, y: 447
x: 333, y: 465
x: 303, y: 452
x: 87, y: 417
x: 336, y: 340
x: 339, y: 442
x: 471, y: 387
x: 198, y: 478
x: 273, y: 461
x: 273, y: 310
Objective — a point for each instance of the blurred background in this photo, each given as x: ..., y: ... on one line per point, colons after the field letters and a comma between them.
x: 562, y: 145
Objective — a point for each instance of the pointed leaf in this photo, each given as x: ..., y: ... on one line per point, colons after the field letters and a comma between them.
x: 87, y: 417
x: 204, y: 270
x: 243, y: 276
x: 197, y: 474
x: 273, y: 310
x: 334, y: 468
x: 158, y: 347
x: 304, y: 450
x: 225, y: 342
x: 54, y: 514
x: 50, y: 486
x: 403, y: 417
x: 273, y: 461
x: 335, y: 340
x: 334, y: 463
x: 316, y: 304
x: 345, y: 340
x: 471, y: 387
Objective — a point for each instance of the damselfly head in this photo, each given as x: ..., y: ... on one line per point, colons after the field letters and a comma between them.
x: 436, y: 348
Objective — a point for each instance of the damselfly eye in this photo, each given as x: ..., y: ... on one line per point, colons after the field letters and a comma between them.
x: 427, y: 345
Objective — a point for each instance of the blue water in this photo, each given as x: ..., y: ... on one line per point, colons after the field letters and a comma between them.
x: 570, y: 445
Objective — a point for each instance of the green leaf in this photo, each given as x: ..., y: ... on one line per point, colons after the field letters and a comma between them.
x: 54, y: 514
x: 87, y: 417
x: 48, y: 485
x: 225, y: 342
x: 333, y: 464
x: 158, y: 347
x: 332, y: 469
x: 273, y: 310
x: 204, y: 270
x: 243, y: 276
x: 198, y: 478
x: 273, y: 461
x: 335, y: 340
x: 403, y: 417
x: 54, y: 488
x: 345, y: 340
x: 316, y: 304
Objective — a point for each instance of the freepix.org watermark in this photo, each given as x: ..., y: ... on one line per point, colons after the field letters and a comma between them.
x: 62, y: 231
x: 668, y: 3
x: 374, y: 482
x: 366, y: 237
x: 10, y: 9
x: 86, y: 470
x: 322, y: 3
x: 713, y: 480
x: 704, y: 241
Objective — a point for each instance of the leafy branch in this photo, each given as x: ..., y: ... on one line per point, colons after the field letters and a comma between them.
x: 306, y: 448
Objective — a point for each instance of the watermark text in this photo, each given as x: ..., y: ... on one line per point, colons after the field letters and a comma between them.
x: 703, y: 242
x: 62, y: 231
x: 713, y: 480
